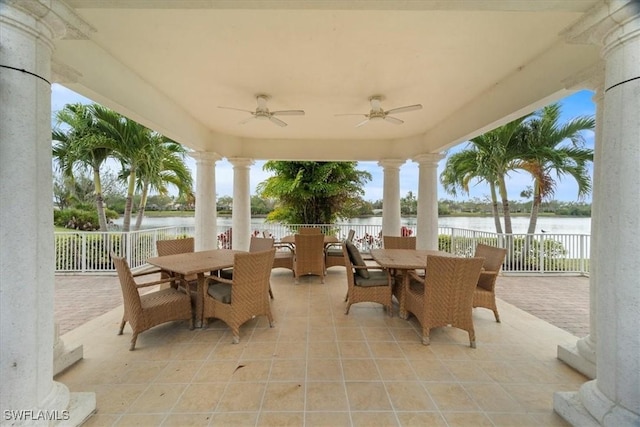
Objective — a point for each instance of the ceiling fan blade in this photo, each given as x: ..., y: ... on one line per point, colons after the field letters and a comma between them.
x: 237, y: 109
x: 405, y: 109
x: 393, y: 120
x: 288, y: 113
x: 247, y: 119
x: 277, y: 121
x: 362, y: 123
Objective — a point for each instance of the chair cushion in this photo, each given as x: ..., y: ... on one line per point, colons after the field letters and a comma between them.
x: 335, y: 253
x: 356, y: 259
x: 376, y: 278
x: 220, y: 292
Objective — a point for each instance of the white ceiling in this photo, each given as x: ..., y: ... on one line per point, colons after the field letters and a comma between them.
x: 472, y: 65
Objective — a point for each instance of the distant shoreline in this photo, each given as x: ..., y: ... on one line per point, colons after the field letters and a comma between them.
x: 168, y: 214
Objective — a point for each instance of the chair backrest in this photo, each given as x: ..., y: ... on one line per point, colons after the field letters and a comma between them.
x: 449, y: 286
x: 309, y: 252
x: 130, y: 295
x: 399, y: 242
x: 351, y: 235
x: 309, y: 230
x: 175, y: 246
x: 260, y: 244
x: 251, y: 273
x: 493, y: 256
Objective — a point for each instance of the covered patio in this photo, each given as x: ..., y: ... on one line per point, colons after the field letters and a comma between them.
x: 320, y: 367
x: 472, y: 65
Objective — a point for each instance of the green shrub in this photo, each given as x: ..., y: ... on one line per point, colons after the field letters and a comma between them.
x: 80, y: 219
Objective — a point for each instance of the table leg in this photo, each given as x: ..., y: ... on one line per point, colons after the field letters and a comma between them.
x: 199, y: 300
x: 403, y: 295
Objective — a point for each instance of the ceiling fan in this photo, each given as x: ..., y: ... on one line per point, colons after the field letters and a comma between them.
x: 377, y: 113
x: 263, y: 113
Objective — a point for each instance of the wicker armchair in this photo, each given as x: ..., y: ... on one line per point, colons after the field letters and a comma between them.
x: 154, y: 308
x: 333, y: 252
x: 284, y: 257
x: 257, y: 244
x: 309, y: 255
x: 485, y: 293
x: 309, y: 230
x: 399, y: 242
x: 243, y: 298
x: 177, y: 246
x: 366, y: 283
x: 445, y: 295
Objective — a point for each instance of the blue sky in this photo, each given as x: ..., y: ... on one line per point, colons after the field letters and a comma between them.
x: 578, y: 104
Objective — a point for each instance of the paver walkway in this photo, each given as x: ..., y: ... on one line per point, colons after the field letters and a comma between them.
x: 561, y: 301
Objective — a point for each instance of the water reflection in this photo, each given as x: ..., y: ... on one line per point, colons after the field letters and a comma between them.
x: 557, y: 225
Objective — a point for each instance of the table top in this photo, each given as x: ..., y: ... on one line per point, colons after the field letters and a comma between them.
x: 195, y: 262
x: 408, y: 259
x: 291, y: 239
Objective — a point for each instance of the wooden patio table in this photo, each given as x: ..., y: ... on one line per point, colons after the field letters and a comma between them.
x: 403, y: 260
x: 198, y: 263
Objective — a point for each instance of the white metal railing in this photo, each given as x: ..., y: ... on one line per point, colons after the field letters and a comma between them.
x: 89, y: 252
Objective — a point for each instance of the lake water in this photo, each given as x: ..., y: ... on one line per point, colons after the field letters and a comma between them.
x: 557, y: 225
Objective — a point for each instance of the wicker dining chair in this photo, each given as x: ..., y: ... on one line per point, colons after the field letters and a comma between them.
x: 309, y: 230
x: 399, y: 242
x: 173, y: 247
x: 245, y: 296
x: 309, y: 256
x: 257, y: 244
x: 365, y: 283
x: 445, y: 295
x: 485, y: 292
x: 151, y: 309
x: 333, y: 254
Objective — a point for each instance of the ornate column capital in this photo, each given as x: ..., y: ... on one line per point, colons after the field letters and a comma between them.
x: 428, y: 159
x: 241, y: 162
x: 391, y: 163
x: 205, y: 157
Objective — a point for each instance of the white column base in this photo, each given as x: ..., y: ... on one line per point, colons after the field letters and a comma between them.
x: 81, y: 407
x: 62, y: 357
x: 571, y: 355
x: 602, y: 411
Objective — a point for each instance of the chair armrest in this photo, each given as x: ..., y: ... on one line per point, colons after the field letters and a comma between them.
x: 283, y: 245
x: 219, y: 280
x: 156, y: 282
x: 146, y: 272
x: 414, y: 276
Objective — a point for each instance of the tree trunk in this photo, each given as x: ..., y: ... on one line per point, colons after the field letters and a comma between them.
x: 143, y: 205
x: 102, y: 218
x: 494, y: 208
x: 535, y: 208
x: 128, y: 207
x: 506, y: 210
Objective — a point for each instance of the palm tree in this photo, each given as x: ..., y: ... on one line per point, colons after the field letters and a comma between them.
x: 164, y: 165
x: 130, y: 140
x: 544, y: 155
x: 489, y: 158
x: 78, y: 142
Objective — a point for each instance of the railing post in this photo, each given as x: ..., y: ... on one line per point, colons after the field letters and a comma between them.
x: 83, y: 249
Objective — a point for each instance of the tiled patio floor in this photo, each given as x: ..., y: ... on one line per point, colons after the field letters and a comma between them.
x: 320, y: 367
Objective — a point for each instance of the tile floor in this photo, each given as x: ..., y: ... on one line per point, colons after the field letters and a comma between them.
x: 318, y: 367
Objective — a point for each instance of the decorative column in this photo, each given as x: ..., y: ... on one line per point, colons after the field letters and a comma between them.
x: 613, y: 398
x: 206, y: 216
x: 241, y: 203
x: 391, y: 196
x: 582, y: 355
x: 427, y: 227
x: 27, y: 253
